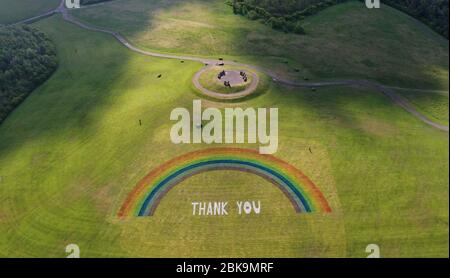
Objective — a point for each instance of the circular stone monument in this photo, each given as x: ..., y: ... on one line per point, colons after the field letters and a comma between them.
x: 222, y: 82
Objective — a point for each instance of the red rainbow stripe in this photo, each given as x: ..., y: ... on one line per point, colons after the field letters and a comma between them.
x: 304, y: 195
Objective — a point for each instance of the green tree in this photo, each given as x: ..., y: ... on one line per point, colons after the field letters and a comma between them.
x: 27, y: 59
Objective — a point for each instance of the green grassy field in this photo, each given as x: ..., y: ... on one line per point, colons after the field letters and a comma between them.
x: 347, y: 40
x: 71, y: 153
x: 15, y: 10
x: 344, y: 41
x: 433, y: 104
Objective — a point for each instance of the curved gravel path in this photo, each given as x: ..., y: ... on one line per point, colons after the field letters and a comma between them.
x: 386, y: 90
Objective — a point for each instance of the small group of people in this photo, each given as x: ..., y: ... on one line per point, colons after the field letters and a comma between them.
x: 244, y: 76
x: 227, y: 83
x: 221, y: 74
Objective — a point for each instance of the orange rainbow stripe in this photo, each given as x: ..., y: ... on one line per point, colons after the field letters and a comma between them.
x: 304, y: 195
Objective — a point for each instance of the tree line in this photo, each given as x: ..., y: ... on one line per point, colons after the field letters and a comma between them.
x: 287, y: 15
x: 433, y: 13
x: 27, y: 59
x: 284, y: 15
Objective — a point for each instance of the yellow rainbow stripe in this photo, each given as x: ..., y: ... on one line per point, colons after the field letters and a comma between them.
x: 301, y: 191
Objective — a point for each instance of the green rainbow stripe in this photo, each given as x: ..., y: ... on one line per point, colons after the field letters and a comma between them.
x: 301, y: 191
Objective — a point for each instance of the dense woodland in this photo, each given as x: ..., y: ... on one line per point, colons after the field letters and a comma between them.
x: 27, y: 59
x: 287, y: 15
x: 280, y: 7
x: 434, y: 13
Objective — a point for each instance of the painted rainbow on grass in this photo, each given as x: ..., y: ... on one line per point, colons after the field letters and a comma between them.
x: 298, y: 188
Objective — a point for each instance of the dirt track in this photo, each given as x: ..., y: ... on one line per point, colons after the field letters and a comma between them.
x: 386, y: 90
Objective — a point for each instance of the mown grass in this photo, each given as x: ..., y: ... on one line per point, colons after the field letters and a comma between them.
x: 16, y: 10
x: 72, y: 151
x: 433, y: 104
x: 344, y: 41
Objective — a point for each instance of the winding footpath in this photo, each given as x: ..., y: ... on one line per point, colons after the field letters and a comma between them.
x: 386, y: 90
x: 36, y: 18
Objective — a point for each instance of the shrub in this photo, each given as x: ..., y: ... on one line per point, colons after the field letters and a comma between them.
x: 252, y: 15
x: 298, y: 29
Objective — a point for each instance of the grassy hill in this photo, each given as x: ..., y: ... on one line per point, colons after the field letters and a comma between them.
x: 389, y: 50
x: 344, y: 41
x: 71, y: 153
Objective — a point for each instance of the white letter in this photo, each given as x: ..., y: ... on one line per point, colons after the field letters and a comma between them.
x: 213, y: 126
x: 374, y: 251
x: 370, y: 4
x: 183, y: 125
x: 240, y: 115
x: 210, y: 209
x: 201, y: 209
x: 74, y: 251
x: 217, y: 208
x: 206, y: 269
x: 247, y: 207
x: 73, y: 4
x: 272, y: 139
x: 239, y: 204
x: 257, y: 209
x: 194, y: 206
x: 197, y: 121
x: 224, y: 208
